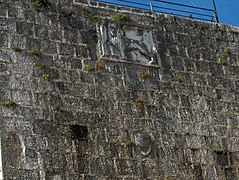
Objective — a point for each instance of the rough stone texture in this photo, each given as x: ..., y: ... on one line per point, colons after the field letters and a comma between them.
x: 163, y: 105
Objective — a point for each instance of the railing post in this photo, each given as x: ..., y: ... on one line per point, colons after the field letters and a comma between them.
x: 215, y: 11
x: 151, y: 5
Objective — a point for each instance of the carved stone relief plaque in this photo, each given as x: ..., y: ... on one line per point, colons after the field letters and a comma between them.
x: 128, y: 43
x: 143, y: 143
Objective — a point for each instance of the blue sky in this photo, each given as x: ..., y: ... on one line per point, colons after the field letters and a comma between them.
x: 228, y: 10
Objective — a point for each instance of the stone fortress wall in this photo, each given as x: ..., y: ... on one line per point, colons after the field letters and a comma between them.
x: 90, y: 91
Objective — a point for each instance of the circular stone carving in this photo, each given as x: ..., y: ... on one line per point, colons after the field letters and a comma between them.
x: 143, y: 143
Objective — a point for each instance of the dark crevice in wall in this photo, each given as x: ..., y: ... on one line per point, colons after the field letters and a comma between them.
x: 79, y: 133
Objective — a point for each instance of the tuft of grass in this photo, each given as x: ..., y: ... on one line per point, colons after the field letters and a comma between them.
x: 223, y: 61
x: 226, y: 51
x: 155, y: 19
x: 16, y: 49
x: 40, y: 5
x: 139, y: 101
x: 144, y: 75
x: 129, y: 143
x: 224, y: 151
x: 121, y: 17
x: 179, y: 79
x: 40, y: 66
x: 96, y: 19
x: 9, y: 104
x: 89, y: 68
x: 46, y: 77
x: 100, y: 65
x: 35, y: 52
x: 56, y: 108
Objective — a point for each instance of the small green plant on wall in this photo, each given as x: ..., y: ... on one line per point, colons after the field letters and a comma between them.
x: 40, y: 66
x: 39, y: 4
x: 9, y: 104
x: 225, y: 56
x: 121, y: 17
x: 96, y: 19
x: 16, y: 49
x: 101, y: 65
x: 179, y: 79
x: 129, y: 143
x: 223, y: 61
x: 139, y: 101
x: 144, y: 75
x: 223, y: 151
x: 89, y: 68
x: 226, y: 51
x: 35, y: 52
x: 56, y: 108
x: 46, y: 77
x: 155, y: 19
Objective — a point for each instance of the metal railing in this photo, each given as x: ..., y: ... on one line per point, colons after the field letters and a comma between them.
x: 169, y: 7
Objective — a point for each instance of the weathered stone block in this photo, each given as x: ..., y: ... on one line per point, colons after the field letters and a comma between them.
x: 3, y: 39
x: 23, y: 28
x: 41, y: 31
x: 66, y: 49
x: 64, y: 116
x: 22, y: 174
x: 6, y: 25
